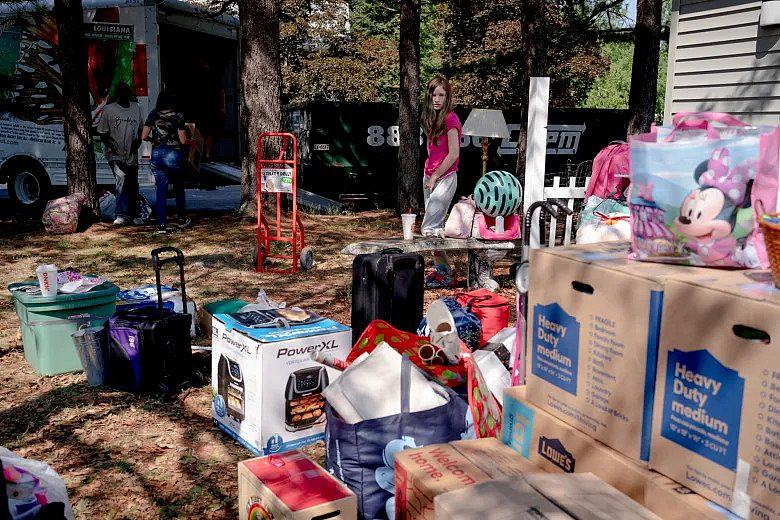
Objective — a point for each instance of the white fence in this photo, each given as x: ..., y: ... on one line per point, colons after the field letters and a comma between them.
x: 567, y: 196
x: 535, y: 189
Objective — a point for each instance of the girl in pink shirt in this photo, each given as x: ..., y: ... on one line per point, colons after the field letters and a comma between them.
x: 442, y: 130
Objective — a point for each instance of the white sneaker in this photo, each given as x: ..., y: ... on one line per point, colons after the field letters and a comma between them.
x: 119, y: 221
x: 443, y: 332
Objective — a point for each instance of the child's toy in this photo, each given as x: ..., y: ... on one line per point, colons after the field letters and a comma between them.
x: 498, y: 194
x: 487, y: 227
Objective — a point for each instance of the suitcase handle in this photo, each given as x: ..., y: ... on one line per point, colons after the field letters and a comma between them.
x: 158, y: 263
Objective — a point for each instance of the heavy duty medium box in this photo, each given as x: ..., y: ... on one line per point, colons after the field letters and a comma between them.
x: 594, y: 319
x: 557, y: 447
x: 716, y: 427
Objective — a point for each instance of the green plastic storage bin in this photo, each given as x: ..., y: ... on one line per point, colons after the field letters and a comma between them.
x: 47, y: 323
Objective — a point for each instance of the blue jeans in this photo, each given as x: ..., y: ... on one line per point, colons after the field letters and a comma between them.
x: 126, y: 177
x: 166, y: 166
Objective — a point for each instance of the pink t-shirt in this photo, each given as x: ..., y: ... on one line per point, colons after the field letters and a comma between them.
x: 438, y: 151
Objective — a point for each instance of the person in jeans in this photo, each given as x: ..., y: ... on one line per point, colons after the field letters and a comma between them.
x: 120, y: 130
x: 165, y: 129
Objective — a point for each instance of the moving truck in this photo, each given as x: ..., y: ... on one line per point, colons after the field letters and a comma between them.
x: 149, y: 45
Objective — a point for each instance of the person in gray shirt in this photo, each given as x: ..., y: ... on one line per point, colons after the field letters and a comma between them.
x: 120, y: 130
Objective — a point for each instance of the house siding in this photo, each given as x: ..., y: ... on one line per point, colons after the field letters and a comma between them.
x: 721, y: 60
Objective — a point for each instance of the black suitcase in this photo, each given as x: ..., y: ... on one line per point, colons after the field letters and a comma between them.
x: 387, y: 286
x: 165, y: 346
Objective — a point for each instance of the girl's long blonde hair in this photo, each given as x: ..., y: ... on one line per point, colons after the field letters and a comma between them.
x: 433, y: 121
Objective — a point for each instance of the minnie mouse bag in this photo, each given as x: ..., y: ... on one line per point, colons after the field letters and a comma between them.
x: 694, y: 187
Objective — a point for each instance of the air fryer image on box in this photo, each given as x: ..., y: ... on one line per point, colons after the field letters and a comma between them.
x: 231, y: 387
x: 304, y: 404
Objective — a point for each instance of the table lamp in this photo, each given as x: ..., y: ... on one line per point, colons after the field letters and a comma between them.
x: 485, y: 123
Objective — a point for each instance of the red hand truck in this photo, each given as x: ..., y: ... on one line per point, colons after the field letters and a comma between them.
x: 279, y: 176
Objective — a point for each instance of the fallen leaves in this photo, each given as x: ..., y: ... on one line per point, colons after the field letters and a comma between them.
x: 137, y: 457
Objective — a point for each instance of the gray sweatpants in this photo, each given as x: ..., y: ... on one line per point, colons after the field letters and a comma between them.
x: 437, y: 203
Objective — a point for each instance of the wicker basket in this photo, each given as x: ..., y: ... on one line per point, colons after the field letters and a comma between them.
x: 772, y: 240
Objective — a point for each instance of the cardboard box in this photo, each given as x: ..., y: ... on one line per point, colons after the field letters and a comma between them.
x: 582, y: 497
x: 267, y: 392
x: 423, y: 473
x: 593, y: 324
x: 293, y: 487
x: 716, y: 427
x: 558, y: 447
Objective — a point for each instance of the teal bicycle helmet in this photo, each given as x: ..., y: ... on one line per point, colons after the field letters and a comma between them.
x: 498, y: 194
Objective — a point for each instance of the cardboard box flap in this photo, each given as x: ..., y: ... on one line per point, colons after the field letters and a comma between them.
x: 755, y: 285
x: 494, y: 458
x: 496, y: 500
x: 580, y: 497
x: 296, y: 480
x: 586, y: 497
x: 614, y: 256
x: 271, y: 335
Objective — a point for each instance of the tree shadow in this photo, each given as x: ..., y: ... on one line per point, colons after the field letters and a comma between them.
x: 33, y: 417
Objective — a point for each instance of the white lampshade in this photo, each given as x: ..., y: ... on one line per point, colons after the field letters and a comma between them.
x: 483, y: 122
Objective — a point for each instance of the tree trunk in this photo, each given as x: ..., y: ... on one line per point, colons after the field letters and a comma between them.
x: 532, y: 64
x: 77, y: 120
x: 409, y: 174
x: 644, y: 72
x: 261, y: 88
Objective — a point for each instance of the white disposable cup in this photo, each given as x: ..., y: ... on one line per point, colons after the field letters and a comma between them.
x: 407, y: 221
x: 47, y: 279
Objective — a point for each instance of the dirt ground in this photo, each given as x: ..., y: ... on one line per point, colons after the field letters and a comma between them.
x: 124, y: 456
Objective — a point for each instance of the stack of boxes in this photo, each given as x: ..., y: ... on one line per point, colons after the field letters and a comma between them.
x: 638, y: 372
x: 658, y: 382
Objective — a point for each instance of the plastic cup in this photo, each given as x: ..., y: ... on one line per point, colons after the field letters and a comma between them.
x: 47, y: 279
x: 407, y: 222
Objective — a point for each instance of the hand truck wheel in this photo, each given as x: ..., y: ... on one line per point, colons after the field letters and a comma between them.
x: 254, y: 255
x: 307, y: 258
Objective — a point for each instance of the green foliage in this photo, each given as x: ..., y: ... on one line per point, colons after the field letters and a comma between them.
x: 362, y: 64
x: 661, y: 92
x: 611, y: 89
x: 487, y: 69
x: 359, y: 66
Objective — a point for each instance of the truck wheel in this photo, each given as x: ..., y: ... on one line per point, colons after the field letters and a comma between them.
x: 28, y: 187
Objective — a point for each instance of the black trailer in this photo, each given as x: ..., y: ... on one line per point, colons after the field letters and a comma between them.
x: 349, y: 151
